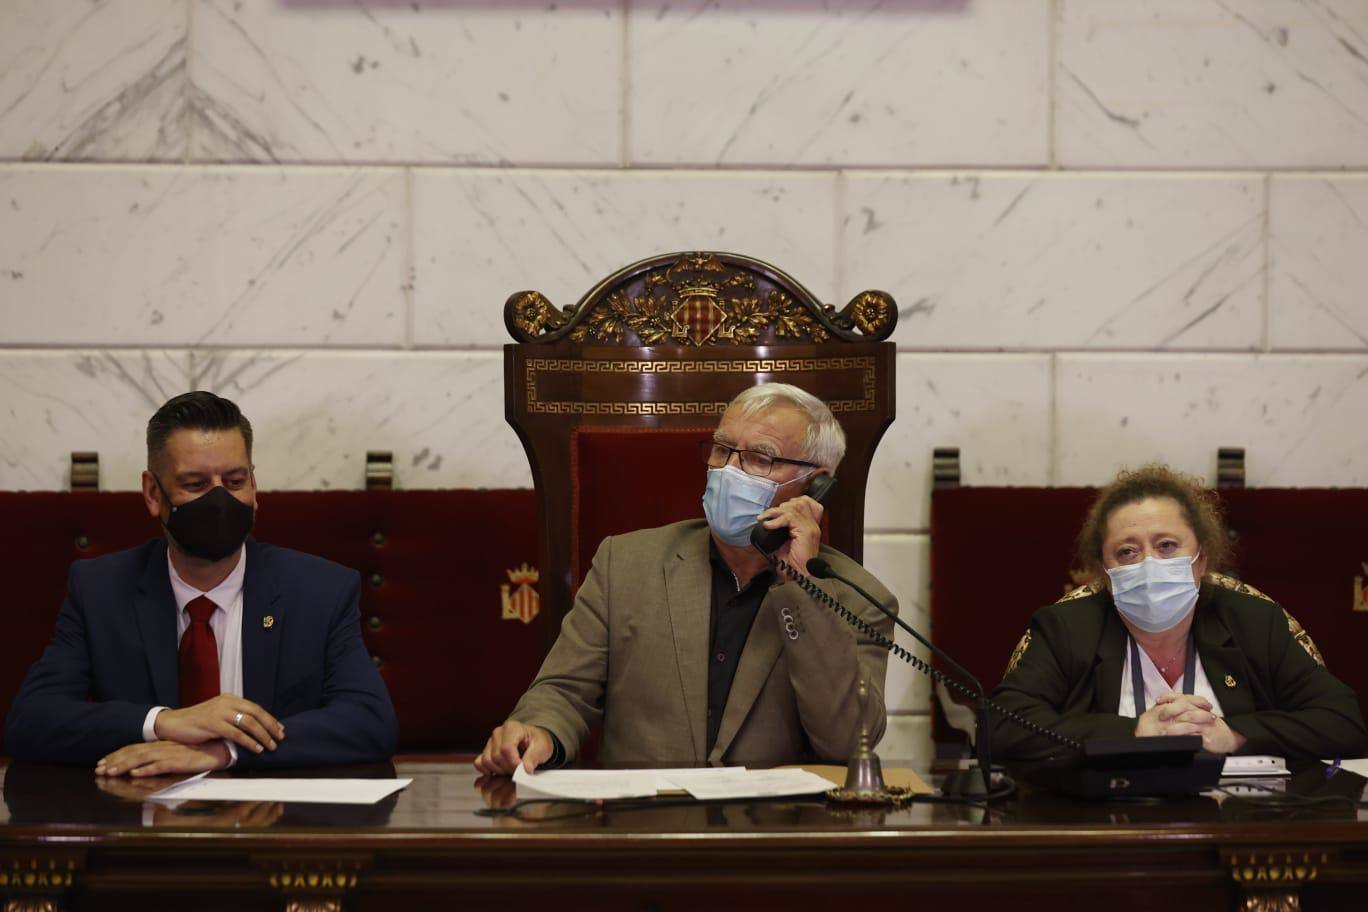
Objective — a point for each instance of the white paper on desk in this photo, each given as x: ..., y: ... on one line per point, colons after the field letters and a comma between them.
x: 744, y: 783
x: 1255, y: 765
x: 596, y: 785
x: 307, y: 791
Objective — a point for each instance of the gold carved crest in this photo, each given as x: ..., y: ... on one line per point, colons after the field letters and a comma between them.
x: 699, y: 299
x: 522, y: 603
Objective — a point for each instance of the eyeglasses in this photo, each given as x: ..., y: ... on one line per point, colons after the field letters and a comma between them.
x: 717, y: 455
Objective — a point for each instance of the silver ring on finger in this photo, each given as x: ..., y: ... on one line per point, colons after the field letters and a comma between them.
x: 237, y: 720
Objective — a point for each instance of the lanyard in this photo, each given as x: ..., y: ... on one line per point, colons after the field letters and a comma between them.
x: 1138, y: 676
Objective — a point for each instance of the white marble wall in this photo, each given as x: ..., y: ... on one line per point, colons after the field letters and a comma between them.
x: 1118, y: 230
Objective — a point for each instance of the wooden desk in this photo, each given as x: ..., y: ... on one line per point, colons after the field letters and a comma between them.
x: 65, y: 841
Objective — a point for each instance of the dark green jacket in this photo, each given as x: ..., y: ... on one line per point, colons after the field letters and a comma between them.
x: 1068, y: 678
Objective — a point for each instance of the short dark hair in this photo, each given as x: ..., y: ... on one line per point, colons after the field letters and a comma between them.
x: 197, y: 411
x: 1199, y: 505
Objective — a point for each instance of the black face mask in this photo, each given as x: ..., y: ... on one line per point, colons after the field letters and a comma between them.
x: 212, y: 526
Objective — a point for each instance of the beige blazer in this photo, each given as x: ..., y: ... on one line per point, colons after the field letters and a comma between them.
x: 633, y: 652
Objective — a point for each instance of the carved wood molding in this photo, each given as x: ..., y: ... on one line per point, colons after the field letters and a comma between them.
x: 700, y: 300
x: 38, y: 882
x: 32, y: 904
x: 1271, y: 902
x: 314, y: 883
x: 534, y: 368
x: 1269, y: 879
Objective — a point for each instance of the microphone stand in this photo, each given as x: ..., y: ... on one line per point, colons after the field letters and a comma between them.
x: 962, y: 783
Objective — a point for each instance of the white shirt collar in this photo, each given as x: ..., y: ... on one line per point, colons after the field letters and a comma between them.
x: 224, y: 595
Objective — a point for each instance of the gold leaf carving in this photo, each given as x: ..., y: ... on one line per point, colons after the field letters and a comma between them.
x: 871, y: 311
x: 791, y: 320
x: 532, y: 314
x: 697, y: 299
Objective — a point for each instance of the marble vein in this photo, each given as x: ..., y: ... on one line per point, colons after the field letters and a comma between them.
x: 57, y: 52
x: 124, y: 106
x: 1329, y: 310
x: 1113, y: 116
x: 286, y: 91
x: 1177, y: 270
x: 314, y: 224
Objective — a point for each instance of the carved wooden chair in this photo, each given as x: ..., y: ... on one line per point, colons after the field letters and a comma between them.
x: 611, y: 395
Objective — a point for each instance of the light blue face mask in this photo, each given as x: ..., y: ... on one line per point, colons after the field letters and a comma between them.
x: 733, y: 500
x: 1155, y: 594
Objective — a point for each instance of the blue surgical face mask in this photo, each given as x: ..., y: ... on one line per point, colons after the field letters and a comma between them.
x: 733, y: 500
x: 1155, y: 594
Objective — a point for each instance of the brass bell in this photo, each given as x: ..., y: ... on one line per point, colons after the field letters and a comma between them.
x: 864, y: 774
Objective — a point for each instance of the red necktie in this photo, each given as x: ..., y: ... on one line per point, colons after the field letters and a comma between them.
x: 199, y: 664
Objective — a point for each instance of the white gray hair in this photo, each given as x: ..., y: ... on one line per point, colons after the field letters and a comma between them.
x: 825, y: 441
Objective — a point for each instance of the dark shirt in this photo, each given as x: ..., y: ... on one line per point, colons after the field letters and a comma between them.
x: 731, y: 615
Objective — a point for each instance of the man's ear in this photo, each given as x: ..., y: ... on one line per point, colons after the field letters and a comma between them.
x: 818, y: 473
x: 151, y: 494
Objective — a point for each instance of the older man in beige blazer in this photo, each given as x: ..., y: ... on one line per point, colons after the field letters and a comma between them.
x: 689, y: 647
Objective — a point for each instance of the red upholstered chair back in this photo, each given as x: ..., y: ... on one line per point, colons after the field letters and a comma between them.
x: 435, y: 568
x: 661, y: 347
x: 1305, y: 548
x: 650, y: 477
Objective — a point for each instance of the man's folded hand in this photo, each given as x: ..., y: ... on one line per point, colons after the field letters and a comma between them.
x: 162, y: 758
x: 224, y: 717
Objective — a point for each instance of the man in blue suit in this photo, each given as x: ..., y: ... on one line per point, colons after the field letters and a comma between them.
x: 205, y: 649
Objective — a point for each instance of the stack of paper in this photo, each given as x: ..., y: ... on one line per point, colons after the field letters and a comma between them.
x: 312, y: 791
x: 743, y: 783
x: 704, y: 784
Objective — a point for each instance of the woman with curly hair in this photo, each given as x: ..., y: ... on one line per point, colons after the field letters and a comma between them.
x: 1162, y: 644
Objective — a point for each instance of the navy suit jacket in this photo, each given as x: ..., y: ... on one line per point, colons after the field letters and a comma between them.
x: 115, y: 655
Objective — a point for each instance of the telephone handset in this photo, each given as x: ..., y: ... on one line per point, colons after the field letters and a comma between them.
x: 771, y: 540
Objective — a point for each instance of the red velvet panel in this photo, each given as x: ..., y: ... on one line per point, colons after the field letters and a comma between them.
x: 634, y: 478
x: 431, y: 603
x: 998, y: 554
x: 624, y: 479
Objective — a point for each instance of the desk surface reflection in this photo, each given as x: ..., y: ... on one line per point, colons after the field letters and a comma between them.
x: 85, y: 841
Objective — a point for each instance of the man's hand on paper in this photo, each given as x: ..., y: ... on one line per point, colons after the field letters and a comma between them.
x: 513, y: 743
x: 162, y: 758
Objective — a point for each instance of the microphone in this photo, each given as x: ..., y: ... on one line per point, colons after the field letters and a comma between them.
x: 964, y: 782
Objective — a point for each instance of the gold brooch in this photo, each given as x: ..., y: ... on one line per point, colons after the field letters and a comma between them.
x: 268, y: 622
x: 1229, y: 681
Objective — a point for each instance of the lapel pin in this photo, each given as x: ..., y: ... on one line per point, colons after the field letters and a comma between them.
x: 268, y: 622
x: 1229, y: 681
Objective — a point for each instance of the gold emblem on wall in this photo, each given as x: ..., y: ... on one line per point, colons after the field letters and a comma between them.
x: 1361, y: 591
x: 522, y: 603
